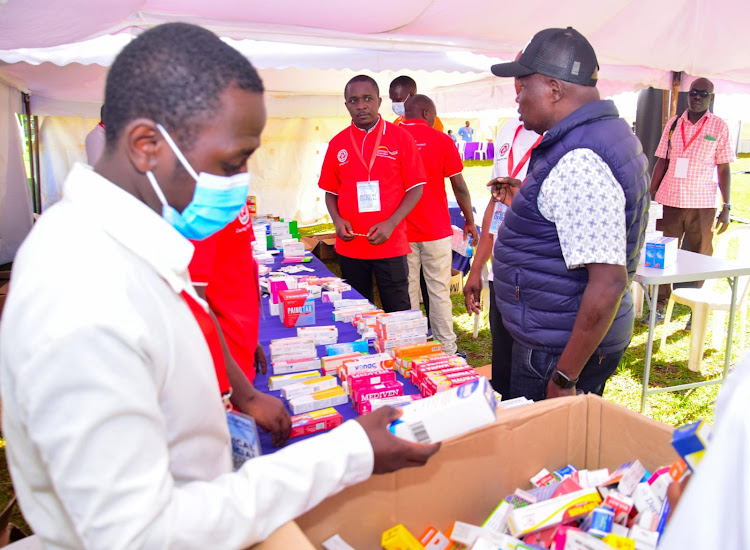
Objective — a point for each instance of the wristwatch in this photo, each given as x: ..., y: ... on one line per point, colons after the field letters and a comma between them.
x: 727, y: 206
x: 563, y: 381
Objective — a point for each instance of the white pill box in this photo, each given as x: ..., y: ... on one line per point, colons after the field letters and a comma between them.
x: 307, y: 387
x: 447, y: 414
x: 319, y: 400
x: 275, y: 383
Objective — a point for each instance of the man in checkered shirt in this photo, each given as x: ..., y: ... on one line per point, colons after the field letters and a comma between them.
x: 684, y: 178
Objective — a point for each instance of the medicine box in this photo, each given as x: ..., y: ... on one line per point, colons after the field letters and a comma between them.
x: 661, y: 252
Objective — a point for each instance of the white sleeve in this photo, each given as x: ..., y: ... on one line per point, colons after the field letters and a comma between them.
x: 90, y: 403
x: 713, y: 511
x: 587, y: 205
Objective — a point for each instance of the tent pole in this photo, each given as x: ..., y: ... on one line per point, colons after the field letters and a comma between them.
x: 38, y: 165
x: 676, y: 79
x: 27, y: 108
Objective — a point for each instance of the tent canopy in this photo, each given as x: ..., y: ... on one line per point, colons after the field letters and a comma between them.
x: 453, y: 43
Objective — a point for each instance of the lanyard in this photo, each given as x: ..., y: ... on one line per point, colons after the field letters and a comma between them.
x: 374, y: 150
x: 514, y: 170
x: 206, y: 324
x: 695, y: 135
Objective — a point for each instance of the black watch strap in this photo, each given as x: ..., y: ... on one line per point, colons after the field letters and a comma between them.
x: 563, y: 381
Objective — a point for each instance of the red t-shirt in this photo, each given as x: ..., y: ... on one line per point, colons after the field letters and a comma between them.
x: 224, y: 263
x: 430, y: 219
x: 397, y: 168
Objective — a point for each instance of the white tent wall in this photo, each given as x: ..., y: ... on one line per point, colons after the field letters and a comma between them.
x: 16, y: 216
x: 62, y: 143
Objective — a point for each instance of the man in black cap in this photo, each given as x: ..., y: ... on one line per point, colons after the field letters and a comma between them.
x: 571, y: 239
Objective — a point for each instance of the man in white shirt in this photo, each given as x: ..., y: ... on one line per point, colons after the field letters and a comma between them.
x: 112, y: 412
x: 513, y: 146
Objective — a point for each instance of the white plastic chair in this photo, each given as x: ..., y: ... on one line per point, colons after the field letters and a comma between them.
x: 481, y: 151
x: 461, y: 148
x: 713, y: 296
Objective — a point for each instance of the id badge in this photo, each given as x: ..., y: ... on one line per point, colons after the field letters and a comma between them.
x: 244, y: 435
x: 681, y: 168
x: 368, y: 196
x: 497, y: 218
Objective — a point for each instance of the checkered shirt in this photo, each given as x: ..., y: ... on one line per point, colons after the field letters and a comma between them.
x: 709, y: 149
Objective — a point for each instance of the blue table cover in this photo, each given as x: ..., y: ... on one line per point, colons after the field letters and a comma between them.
x: 271, y: 328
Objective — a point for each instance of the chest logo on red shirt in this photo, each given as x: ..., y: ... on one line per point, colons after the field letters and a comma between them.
x: 504, y: 149
x: 244, y: 216
x: 343, y: 156
x: 386, y: 153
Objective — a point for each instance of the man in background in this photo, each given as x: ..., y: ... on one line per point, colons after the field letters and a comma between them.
x: 466, y: 132
x: 95, y: 138
x: 563, y: 267
x: 373, y: 177
x: 693, y: 148
x: 428, y: 225
x: 402, y: 88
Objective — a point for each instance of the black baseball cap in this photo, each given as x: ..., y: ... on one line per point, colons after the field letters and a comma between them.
x: 559, y: 53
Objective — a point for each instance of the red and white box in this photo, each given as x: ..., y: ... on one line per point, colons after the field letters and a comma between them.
x: 370, y: 377
x: 397, y: 401
x: 297, y: 308
x: 315, y: 421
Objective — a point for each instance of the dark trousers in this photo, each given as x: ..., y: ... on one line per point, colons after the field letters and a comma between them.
x: 391, y: 276
x: 693, y: 227
x: 502, y: 349
x: 532, y: 370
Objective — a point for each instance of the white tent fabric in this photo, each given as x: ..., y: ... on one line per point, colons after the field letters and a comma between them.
x: 695, y: 36
x: 15, y: 198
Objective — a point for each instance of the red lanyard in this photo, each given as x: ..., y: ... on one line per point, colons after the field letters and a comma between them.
x: 206, y: 324
x: 695, y: 135
x: 374, y: 150
x: 514, y: 170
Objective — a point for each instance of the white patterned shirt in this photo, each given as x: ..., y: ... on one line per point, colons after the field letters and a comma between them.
x: 587, y: 205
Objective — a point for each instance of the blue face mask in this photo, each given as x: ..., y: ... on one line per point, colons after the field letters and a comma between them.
x: 216, y: 202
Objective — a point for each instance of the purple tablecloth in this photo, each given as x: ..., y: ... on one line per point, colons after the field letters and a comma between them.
x: 472, y: 146
x: 271, y: 328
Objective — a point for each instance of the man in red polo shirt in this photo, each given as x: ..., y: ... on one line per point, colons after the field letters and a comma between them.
x: 225, y: 274
x: 428, y: 226
x: 373, y: 176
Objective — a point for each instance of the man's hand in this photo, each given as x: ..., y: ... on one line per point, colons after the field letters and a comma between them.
x: 473, y: 292
x: 380, y: 232
x: 722, y: 220
x: 392, y: 453
x: 270, y: 414
x: 261, y: 364
x: 344, y: 230
x: 471, y: 229
x: 503, y: 189
x: 553, y: 390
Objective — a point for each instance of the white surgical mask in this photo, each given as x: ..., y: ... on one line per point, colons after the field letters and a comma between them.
x: 398, y: 107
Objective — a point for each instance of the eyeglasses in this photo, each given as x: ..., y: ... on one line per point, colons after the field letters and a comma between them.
x: 703, y: 93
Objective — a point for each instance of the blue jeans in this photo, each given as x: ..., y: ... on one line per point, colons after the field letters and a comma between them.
x: 531, y: 371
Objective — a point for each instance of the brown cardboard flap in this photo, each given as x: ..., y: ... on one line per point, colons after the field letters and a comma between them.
x: 288, y: 536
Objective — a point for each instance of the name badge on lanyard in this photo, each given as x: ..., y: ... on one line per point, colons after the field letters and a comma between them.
x: 681, y: 167
x: 368, y: 192
x: 244, y: 435
x: 368, y: 196
x: 497, y: 217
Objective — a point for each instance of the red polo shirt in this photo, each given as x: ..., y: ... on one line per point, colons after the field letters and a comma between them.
x: 430, y: 219
x: 397, y: 168
x: 224, y: 263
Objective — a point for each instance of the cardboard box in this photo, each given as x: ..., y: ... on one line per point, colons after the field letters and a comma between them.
x: 471, y: 474
x: 321, y: 245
